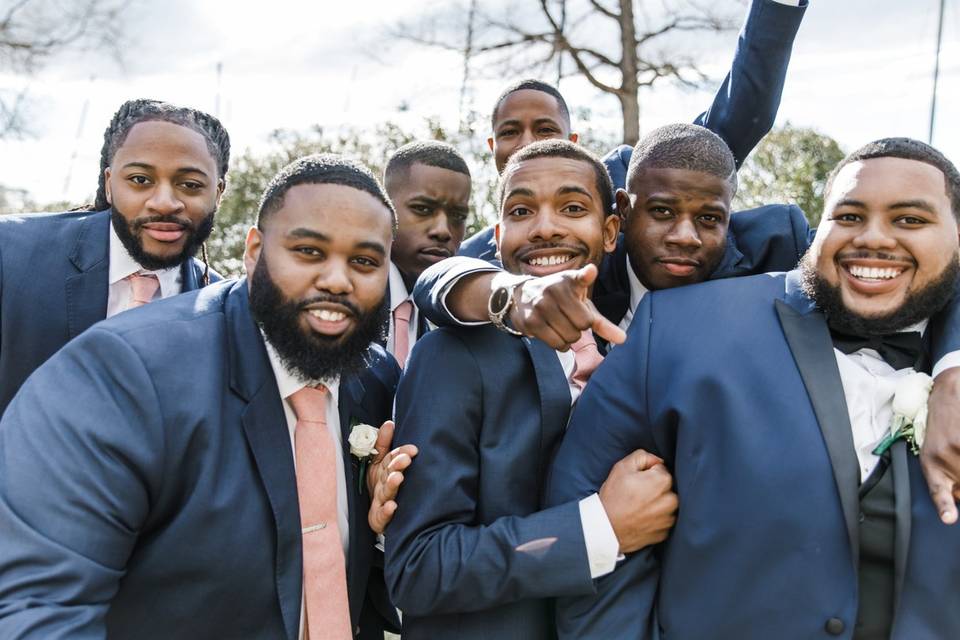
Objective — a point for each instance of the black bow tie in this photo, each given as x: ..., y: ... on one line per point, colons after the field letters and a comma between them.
x: 899, y: 350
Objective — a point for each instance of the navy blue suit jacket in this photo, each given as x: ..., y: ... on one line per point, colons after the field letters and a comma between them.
x: 743, y: 109
x: 469, y: 553
x: 147, y: 486
x: 735, y: 385
x: 53, y: 286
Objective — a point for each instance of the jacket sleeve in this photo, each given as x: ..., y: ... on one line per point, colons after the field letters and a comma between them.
x: 745, y: 106
x: 438, y: 558
x: 80, y: 462
x: 609, y: 422
x: 432, y: 285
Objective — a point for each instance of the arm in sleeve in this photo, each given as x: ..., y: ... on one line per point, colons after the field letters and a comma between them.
x: 438, y: 558
x: 430, y: 291
x: 609, y: 422
x: 745, y: 106
x: 81, y: 454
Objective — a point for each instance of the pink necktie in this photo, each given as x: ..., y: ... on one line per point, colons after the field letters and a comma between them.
x: 144, y: 286
x: 401, y: 331
x: 587, y: 358
x: 324, y: 567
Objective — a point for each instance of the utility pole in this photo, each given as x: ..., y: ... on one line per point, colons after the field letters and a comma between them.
x: 936, y: 75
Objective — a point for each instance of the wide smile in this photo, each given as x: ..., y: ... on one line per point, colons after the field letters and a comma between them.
x: 329, y: 319
x: 165, y: 231
x: 874, y: 277
x: 543, y: 262
x: 678, y: 266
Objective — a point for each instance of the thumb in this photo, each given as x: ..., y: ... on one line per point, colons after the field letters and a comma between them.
x: 384, y: 440
x: 642, y: 460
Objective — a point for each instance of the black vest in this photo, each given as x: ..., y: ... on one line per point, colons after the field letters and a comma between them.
x: 878, y: 524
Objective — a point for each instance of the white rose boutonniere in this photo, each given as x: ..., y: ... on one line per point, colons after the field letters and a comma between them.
x: 362, y: 439
x: 909, y: 413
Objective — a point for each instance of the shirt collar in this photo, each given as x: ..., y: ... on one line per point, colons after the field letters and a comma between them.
x: 398, y: 290
x: 637, y: 290
x: 288, y: 382
x: 122, y: 265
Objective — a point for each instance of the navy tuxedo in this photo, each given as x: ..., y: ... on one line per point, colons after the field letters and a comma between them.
x: 147, y: 485
x: 735, y: 385
x: 53, y: 286
x: 469, y: 553
x: 743, y: 109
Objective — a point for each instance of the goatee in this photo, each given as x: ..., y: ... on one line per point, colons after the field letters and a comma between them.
x: 130, y: 237
x: 918, y: 305
x: 310, y: 355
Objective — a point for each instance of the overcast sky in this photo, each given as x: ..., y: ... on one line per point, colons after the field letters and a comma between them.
x: 861, y: 69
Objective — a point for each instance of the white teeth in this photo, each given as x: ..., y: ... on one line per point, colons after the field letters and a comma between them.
x: 329, y: 316
x: 548, y: 261
x: 874, y: 273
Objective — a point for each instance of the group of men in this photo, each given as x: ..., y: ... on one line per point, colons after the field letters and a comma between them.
x: 584, y: 446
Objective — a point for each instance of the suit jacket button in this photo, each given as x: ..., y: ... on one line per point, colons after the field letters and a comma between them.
x: 834, y: 626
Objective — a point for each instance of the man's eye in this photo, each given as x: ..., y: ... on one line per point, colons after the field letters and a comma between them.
x: 520, y: 211
x: 421, y: 209
x: 140, y: 180
x: 548, y: 132
x: 193, y: 186
x: 660, y: 212
x: 574, y: 208
x: 459, y: 218
x: 364, y: 261
x: 845, y: 217
x: 506, y: 133
x: 911, y: 220
x: 710, y: 219
x: 308, y: 251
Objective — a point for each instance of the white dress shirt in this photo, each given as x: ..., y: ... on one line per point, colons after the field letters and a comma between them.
x: 122, y: 264
x: 399, y: 294
x: 288, y: 384
x: 637, y: 291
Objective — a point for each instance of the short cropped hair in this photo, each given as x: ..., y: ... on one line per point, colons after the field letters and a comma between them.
x: 560, y: 149
x: 684, y: 146
x: 906, y: 149
x: 431, y: 153
x: 531, y: 85
x: 321, y: 168
x: 133, y: 112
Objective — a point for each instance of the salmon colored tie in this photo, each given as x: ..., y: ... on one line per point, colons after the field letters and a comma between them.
x: 401, y: 331
x: 324, y: 566
x: 144, y: 286
x: 587, y: 358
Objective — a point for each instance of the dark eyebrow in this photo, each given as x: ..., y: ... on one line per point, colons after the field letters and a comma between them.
x: 303, y: 232
x: 915, y: 204
x: 512, y: 121
x: 545, y: 119
x: 659, y: 198
x: 519, y: 191
x: 150, y: 167
x: 849, y: 202
x: 574, y: 189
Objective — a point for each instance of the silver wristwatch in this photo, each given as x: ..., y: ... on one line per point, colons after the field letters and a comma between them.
x: 499, y: 304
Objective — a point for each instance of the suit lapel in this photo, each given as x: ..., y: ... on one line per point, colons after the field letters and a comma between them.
x: 86, y: 290
x: 809, y: 339
x: 554, y: 400
x: 265, y: 427
x: 732, y: 256
x: 190, y: 273
x: 903, y: 504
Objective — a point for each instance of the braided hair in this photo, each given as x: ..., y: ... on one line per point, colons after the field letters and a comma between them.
x: 133, y: 112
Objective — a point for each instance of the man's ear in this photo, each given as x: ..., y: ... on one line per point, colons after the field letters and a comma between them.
x: 251, y: 250
x: 496, y: 237
x: 106, y: 185
x: 221, y: 187
x: 624, y: 206
x: 574, y: 137
x: 611, y: 231
x: 490, y: 143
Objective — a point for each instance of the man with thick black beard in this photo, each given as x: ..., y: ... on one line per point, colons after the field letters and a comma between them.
x: 773, y: 410
x: 163, y: 173
x: 202, y: 467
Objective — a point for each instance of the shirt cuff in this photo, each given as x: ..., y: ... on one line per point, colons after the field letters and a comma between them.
x: 948, y: 361
x: 448, y: 285
x: 603, y: 550
x: 792, y: 3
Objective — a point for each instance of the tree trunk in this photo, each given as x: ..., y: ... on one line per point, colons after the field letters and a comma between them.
x: 629, y: 102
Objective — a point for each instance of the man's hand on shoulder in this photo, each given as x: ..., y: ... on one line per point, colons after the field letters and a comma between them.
x: 940, y: 454
x: 384, y: 477
x: 556, y: 309
x: 640, y: 503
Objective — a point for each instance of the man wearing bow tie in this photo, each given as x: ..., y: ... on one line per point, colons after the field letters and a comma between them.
x: 794, y: 522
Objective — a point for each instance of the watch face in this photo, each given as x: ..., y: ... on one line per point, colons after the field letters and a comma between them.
x: 499, y: 299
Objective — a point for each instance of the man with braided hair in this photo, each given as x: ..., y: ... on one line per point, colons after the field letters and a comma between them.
x: 163, y: 171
